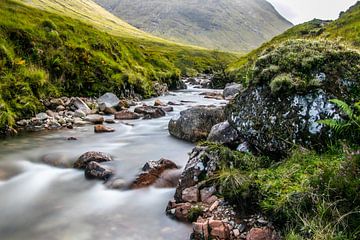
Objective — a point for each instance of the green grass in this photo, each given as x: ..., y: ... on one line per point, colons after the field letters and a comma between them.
x: 345, y: 30
x: 308, y: 195
x: 44, y: 54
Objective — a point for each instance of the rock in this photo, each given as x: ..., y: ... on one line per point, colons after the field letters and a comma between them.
x: 50, y: 113
x: 79, y: 113
x: 109, y: 110
x: 261, y: 234
x: 151, y: 172
x: 95, y: 119
x: 168, y: 179
x: 201, y: 229
x: 218, y: 230
x: 53, y: 124
x: 167, y: 109
x: 195, y: 170
x: 60, y: 108
x: 214, y: 206
x: 212, y: 95
x: 124, y: 104
x: 107, y: 102
x: 190, y: 194
x: 223, y: 133
x: 206, y: 193
x: 273, y: 124
x: 160, y: 89
x: 110, y: 121
x: 231, y: 90
x: 103, y: 129
x: 81, y: 105
x: 95, y: 170
x: 180, y: 211
x: 57, y: 160
x: 195, y: 123
x: 79, y: 122
x: 174, y: 103
x: 87, y: 157
x: 42, y: 116
x: 150, y: 111
x: 71, y: 139
x: 23, y: 123
x: 158, y: 103
x: 55, y: 103
x: 127, y: 115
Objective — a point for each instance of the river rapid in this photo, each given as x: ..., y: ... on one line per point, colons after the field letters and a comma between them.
x: 41, y: 202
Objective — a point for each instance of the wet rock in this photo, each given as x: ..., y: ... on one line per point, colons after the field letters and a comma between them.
x: 95, y: 170
x: 223, y: 133
x: 127, y: 115
x: 174, y: 103
x: 81, y: 105
x: 150, y: 111
x: 79, y: 113
x: 195, y: 123
x: 110, y: 121
x: 103, y: 129
x: 88, y: 157
x: 95, y: 119
x: 57, y: 160
x: 107, y: 102
x: 231, y: 90
x: 167, y: 109
x: 42, y: 116
x: 212, y: 95
x: 71, y: 139
x: 151, y: 172
x: 261, y: 234
x: 158, y: 102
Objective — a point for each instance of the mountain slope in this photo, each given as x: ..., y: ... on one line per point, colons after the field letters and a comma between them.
x: 345, y: 30
x: 236, y: 25
x: 43, y: 54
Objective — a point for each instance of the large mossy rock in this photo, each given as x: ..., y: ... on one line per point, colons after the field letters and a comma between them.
x: 195, y: 124
x: 290, y: 92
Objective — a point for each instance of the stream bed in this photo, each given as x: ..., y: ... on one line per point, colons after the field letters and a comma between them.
x: 41, y: 202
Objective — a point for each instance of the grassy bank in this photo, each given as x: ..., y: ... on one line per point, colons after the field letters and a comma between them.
x: 44, y: 54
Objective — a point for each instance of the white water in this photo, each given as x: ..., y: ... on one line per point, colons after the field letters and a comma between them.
x: 40, y: 202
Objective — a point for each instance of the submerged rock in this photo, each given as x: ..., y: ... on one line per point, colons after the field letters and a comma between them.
x: 88, y: 157
x: 95, y: 170
x: 151, y: 173
x: 195, y: 123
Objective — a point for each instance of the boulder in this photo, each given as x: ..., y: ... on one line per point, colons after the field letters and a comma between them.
x: 273, y: 124
x: 223, y: 133
x: 218, y: 230
x: 107, y: 102
x: 150, y: 111
x: 231, y: 90
x: 195, y: 123
x: 42, y: 116
x: 81, y: 105
x: 151, y: 172
x: 95, y: 170
x: 79, y: 113
x: 103, y: 129
x: 95, y: 119
x: 191, y: 194
x: 158, y: 102
x: 88, y: 157
x: 127, y: 115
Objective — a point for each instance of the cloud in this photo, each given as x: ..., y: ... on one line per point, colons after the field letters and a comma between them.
x: 299, y: 11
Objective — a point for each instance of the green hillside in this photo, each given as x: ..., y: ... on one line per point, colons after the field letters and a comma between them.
x: 233, y: 25
x: 344, y: 30
x: 45, y: 53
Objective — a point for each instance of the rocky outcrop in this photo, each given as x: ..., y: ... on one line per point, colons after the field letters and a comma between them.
x: 152, y: 171
x: 195, y: 124
x: 88, y: 157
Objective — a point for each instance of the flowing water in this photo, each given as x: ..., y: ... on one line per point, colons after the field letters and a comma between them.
x: 41, y: 202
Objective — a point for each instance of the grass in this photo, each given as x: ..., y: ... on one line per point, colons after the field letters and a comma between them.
x: 308, y: 195
x: 54, y: 53
x: 345, y: 30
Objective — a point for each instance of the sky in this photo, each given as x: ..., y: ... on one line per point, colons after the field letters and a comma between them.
x: 299, y: 11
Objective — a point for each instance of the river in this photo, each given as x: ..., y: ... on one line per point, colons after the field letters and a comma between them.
x: 41, y: 202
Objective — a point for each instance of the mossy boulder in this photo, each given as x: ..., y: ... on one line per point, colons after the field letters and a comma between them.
x: 290, y: 93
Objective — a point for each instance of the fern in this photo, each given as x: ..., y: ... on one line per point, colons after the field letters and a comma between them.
x: 348, y: 128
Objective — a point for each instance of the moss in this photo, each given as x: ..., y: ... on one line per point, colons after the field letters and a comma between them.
x: 195, y: 212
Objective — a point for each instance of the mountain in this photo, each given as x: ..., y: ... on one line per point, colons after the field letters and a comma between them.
x: 234, y: 25
x: 344, y: 30
x: 51, y: 48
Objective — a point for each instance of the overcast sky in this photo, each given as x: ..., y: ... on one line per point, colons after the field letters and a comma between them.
x: 299, y: 11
